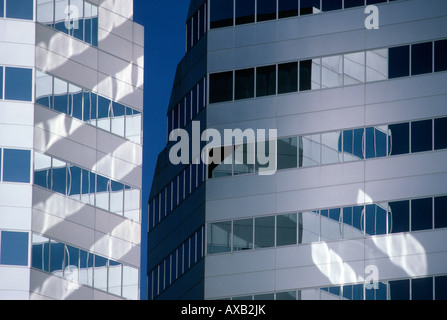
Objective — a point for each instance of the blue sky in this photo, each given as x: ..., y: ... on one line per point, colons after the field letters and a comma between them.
x: 164, y: 23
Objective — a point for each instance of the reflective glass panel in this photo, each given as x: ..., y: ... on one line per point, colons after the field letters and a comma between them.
x: 266, y: 10
x: 353, y: 292
x: 14, y: 248
x: 353, y: 145
x: 441, y: 133
x: 59, y: 176
x: 221, y: 13
x: 90, y: 102
x: 2, y: 8
x: 331, y: 227
x: 377, y: 291
x: 286, y: 229
x: 245, y: 11
x: 45, y: 12
x: 400, y: 216
x: 309, y: 7
x: 60, y: 15
x: 376, y: 65
x: 42, y: 170
x: 422, y: 58
x: 219, y: 239
x: 100, y: 273
x: 221, y: 87
x: 310, y: 74
x: 88, y: 25
x: 118, y: 119
x: 399, y: 62
x: 102, y: 192
x: 288, y: 77
x: 18, y: 83
x: 422, y: 289
x: 244, y: 84
x: 264, y: 232
x: 133, y: 125
x: 116, y: 197
x: 94, y: 19
x: 88, y: 187
x: 441, y: 212
x: 40, y: 253
x: 374, y: 1
x: 332, y: 72
x: 399, y: 290
x: 287, y: 8
x: 44, y: 89
x: 86, y: 268
x: 16, y: 165
x: 421, y: 214
x: 1, y: 81
x: 244, y: 159
x: 224, y: 167
x: 329, y: 5
x: 354, y: 68
x: 353, y: 3
x: 330, y: 146
x: 104, y: 113
x: 440, y: 55
x: 266, y: 152
x: 76, y: 23
x: 441, y: 288
x: 287, y: 295
x: 60, y: 95
x: 375, y: 220
x: 115, y: 277
x: 71, y: 271
x: 376, y: 139
x: 57, y: 251
x: 287, y: 155
x: 74, y: 182
x: 421, y: 136
x: 308, y: 227
x: 265, y: 81
x: 399, y: 139
x: 309, y: 155
x: 20, y: 9
x: 352, y: 222
x: 264, y: 297
x: 75, y: 101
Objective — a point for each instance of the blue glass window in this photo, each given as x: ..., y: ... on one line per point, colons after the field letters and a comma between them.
x: 440, y: 55
x: 20, y: 9
x: 42, y: 170
x: 422, y: 289
x: 86, y: 268
x: 399, y: 290
x: 375, y: 220
x: 59, y: 177
x: 287, y: 8
x: 441, y: 212
x: 421, y: 214
x: 118, y: 119
x: 100, y: 273
x: 2, y: 6
x: 354, y: 3
x: 221, y: 13
x: 266, y: 81
x: 1, y: 78
x: 16, y: 165
x: 77, y: 16
x: 353, y: 144
x: 399, y: 139
x: 400, y: 216
x: 421, y: 136
x: 57, y: 250
x: 309, y: 7
x: 104, y: 108
x: 74, y: 185
x: 378, y: 292
x: 40, y: 253
x: 75, y: 101
x: 90, y: 102
x: 421, y: 58
x: 71, y: 263
x: 329, y: 5
x: 399, y: 62
x: 60, y: 95
x: 14, y: 248
x: 221, y: 87
x: 245, y: 11
x: 375, y: 143
x: 441, y: 288
x: 244, y: 84
x: 266, y: 10
x: 441, y: 133
x: 18, y: 84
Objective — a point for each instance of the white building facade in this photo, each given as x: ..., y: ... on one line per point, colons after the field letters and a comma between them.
x: 71, y: 149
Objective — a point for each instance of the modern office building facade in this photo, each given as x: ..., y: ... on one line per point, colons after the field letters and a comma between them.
x: 357, y: 206
x: 71, y: 103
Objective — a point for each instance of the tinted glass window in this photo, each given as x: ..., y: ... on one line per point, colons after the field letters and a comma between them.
x: 422, y: 289
x: 310, y: 74
x: 219, y: 237
x: 421, y: 58
x: 441, y: 288
x: 57, y: 258
x: 287, y: 8
x: 243, y: 235
x: 221, y: 13
x: 399, y: 62
x: 400, y: 216
x: 331, y: 228
x: 118, y: 119
x: 309, y: 155
x: 264, y: 232
x: 104, y: 113
x: 441, y: 212
x: 266, y: 10
x: 354, y: 3
x: 421, y: 214
x: 288, y: 77
x: 244, y: 158
x: 86, y: 268
x: 221, y: 87
x: 440, y: 55
x: 44, y: 89
x: 329, y: 5
x: 1, y: 79
x: 331, y: 147
x: 60, y: 95
x: 309, y: 6
x: 74, y: 182
x: 286, y: 230
x: 75, y: 101
x: 375, y: 142
x: 19, y: 9
x: 59, y: 176
x: 60, y: 15
x: 14, y: 248
x: 16, y: 165
x: 288, y: 295
x: 353, y: 144
x: 287, y: 154
x: 244, y: 84
x: 71, y: 263
x: 2, y: 5
x: 374, y: 1
x: 266, y: 81
x: 352, y: 222
x: 399, y: 139
x: 440, y: 133
x: 400, y: 290
x: 354, y: 68
x: 18, y: 83
x: 100, y: 273
x: 377, y: 65
x: 245, y: 11
x: 332, y: 72
x: 308, y: 227
x: 40, y: 253
x: 421, y: 136
x: 77, y: 23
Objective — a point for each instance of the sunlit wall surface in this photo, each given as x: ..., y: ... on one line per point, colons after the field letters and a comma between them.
x: 71, y: 103
x: 357, y: 208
